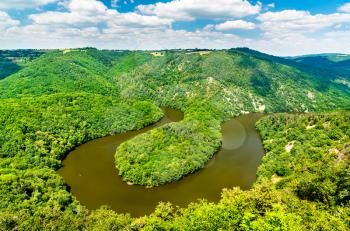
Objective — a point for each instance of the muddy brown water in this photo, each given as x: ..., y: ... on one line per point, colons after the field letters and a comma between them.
x: 90, y: 172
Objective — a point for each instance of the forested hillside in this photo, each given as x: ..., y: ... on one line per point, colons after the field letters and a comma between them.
x: 336, y: 63
x: 12, y: 61
x: 36, y: 133
x: 303, y: 184
x: 308, y: 155
x: 233, y: 81
x: 59, y: 72
x: 220, y: 84
x: 57, y: 100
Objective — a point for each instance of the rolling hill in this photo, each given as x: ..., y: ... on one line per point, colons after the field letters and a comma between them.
x: 336, y: 63
x: 12, y: 61
x: 56, y: 100
x: 235, y: 81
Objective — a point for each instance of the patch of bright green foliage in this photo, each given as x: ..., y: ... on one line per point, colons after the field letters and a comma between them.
x: 55, y: 72
x: 231, y: 82
x: 316, y: 166
x: 216, y: 85
x: 274, y: 203
x: 42, y: 118
x: 36, y: 133
x: 168, y: 153
x: 11, y: 61
x: 335, y: 63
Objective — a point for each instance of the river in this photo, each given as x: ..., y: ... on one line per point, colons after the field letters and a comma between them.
x: 90, y: 172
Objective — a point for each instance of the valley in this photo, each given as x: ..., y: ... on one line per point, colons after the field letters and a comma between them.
x: 91, y: 166
x: 61, y: 110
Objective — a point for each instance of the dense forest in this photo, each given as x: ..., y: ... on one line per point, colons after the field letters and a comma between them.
x: 12, y: 61
x: 333, y: 63
x: 167, y: 153
x: 53, y: 101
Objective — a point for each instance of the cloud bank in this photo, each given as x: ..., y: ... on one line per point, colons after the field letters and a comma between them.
x: 78, y: 23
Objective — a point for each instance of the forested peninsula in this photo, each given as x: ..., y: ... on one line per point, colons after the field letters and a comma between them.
x: 52, y: 101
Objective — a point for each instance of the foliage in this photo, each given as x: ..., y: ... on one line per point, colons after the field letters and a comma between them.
x: 12, y: 61
x: 337, y: 63
x: 59, y: 72
x: 232, y: 82
x: 168, y: 153
x: 53, y: 103
x: 316, y: 165
x: 36, y: 133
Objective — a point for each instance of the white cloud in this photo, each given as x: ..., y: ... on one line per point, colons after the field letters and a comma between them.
x: 125, y: 37
x: 188, y: 10
x: 136, y: 20
x: 23, y: 4
x: 87, y: 6
x: 237, y: 24
x: 114, y: 3
x: 79, y: 12
x: 338, y: 34
x: 293, y: 21
x: 292, y: 32
x: 6, y: 21
x: 117, y: 37
x: 271, y: 5
x: 51, y: 17
x: 92, y: 12
x: 80, y: 23
x: 345, y: 8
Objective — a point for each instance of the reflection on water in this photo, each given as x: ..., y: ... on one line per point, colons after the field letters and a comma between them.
x: 234, y: 134
x: 90, y: 172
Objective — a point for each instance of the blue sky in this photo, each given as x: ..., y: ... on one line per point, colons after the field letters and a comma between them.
x: 274, y: 26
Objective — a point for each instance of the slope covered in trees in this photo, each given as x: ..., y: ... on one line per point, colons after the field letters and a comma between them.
x: 43, y: 117
x: 36, y: 133
x: 337, y: 63
x: 222, y: 84
x: 233, y: 82
x: 75, y: 70
x: 11, y: 61
x: 308, y: 155
x: 168, y: 153
x: 312, y: 194
x: 56, y: 72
